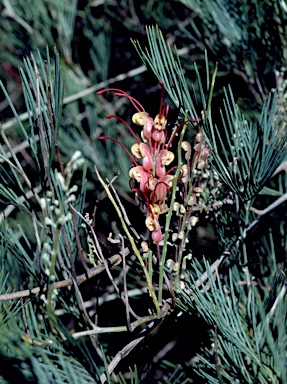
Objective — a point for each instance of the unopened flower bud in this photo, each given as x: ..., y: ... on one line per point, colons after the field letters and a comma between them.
x: 174, y: 237
x: 181, y: 285
x: 199, y: 137
x: 198, y: 190
x: 182, y: 209
x: 187, y: 148
x: 144, y: 246
x: 150, y: 223
x: 176, y: 207
x: 191, y: 200
x: 155, y: 209
x: 193, y: 220
x: 140, y: 118
x: 169, y: 263
x: 184, y: 172
x: 176, y: 267
x: 206, y: 152
x: 201, y: 164
x: 197, y: 147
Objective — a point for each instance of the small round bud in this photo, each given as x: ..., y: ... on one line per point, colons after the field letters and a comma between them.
x: 174, y: 237
x: 193, y: 220
x: 199, y: 137
x: 144, y: 246
x: 169, y: 263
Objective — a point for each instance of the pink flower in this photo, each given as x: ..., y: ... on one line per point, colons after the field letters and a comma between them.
x: 164, y: 158
x: 145, y: 120
x: 142, y: 151
x: 141, y: 176
x: 154, y: 180
x: 152, y: 223
x: 163, y: 184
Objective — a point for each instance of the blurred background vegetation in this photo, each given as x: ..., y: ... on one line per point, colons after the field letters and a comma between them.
x: 246, y: 39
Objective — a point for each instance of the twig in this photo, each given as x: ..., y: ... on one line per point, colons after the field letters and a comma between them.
x: 123, y: 211
x: 132, y: 242
x: 126, y: 296
x: 122, y: 353
x: 75, y: 284
x: 130, y: 346
x: 114, y: 260
x: 271, y: 207
x: 121, y: 328
x: 99, y: 250
x: 214, y: 267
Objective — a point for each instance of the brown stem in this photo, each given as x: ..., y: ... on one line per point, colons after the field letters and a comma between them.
x: 114, y: 260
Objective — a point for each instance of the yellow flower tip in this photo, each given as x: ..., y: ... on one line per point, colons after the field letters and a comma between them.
x: 199, y: 137
x: 140, y: 118
x: 151, y: 224
x: 155, y: 209
x: 136, y: 150
x: 152, y: 183
x: 135, y: 174
x: 168, y: 180
x: 185, y: 146
x: 193, y: 220
x: 159, y: 122
x: 167, y: 157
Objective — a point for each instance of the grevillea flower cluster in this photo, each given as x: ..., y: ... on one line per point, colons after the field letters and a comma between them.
x: 151, y: 157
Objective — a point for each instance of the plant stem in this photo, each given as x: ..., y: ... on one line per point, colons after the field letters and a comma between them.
x: 131, y: 240
x: 168, y: 216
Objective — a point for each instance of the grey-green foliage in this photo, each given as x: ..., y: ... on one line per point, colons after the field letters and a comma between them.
x: 246, y: 36
x: 245, y: 155
x: 42, y: 356
x: 167, y: 68
x: 39, y: 350
x: 50, y: 24
x: 249, y: 340
x: 250, y: 347
x: 247, y: 345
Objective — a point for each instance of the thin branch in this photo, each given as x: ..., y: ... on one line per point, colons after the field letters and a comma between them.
x: 130, y: 346
x: 99, y: 250
x: 125, y: 216
x: 126, y: 296
x: 75, y: 284
x: 122, y: 328
x: 271, y: 207
x: 114, y: 260
x: 132, y: 242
